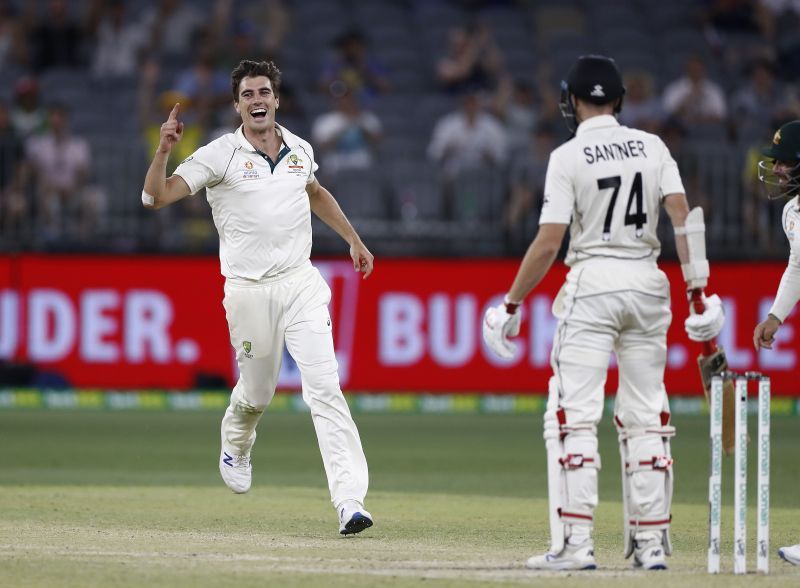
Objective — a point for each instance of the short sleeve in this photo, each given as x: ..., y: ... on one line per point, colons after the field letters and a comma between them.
x: 199, y: 170
x: 559, y: 195
x: 671, y: 182
x: 314, y: 165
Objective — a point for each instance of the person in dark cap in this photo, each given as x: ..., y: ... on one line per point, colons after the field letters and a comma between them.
x: 780, y: 174
x: 607, y: 184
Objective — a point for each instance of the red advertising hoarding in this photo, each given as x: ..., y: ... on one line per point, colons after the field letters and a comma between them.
x: 414, y: 325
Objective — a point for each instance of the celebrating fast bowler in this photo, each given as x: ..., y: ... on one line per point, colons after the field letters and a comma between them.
x: 261, y: 186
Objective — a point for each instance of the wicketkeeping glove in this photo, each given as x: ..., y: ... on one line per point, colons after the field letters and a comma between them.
x: 706, y: 326
x: 498, y: 325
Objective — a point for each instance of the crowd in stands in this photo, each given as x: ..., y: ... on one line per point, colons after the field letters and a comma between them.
x: 423, y: 113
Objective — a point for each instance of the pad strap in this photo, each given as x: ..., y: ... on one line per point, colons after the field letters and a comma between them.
x: 660, y: 463
x: 657, y: 522
x: 574, y: 461
x: 575, y: 516
x: 631, y: 433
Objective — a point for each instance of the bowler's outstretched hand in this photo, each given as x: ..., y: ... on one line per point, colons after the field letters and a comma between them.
x: 171, y: 131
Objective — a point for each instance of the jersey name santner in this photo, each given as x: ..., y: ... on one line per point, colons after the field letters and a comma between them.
x: 614, y: 151
x: 607, y: 183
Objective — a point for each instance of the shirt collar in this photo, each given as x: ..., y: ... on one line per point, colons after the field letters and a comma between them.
x: 287, y: 138
x: 597, y: 122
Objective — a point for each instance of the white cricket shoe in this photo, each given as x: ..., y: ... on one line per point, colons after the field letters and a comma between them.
x: 572, y: 557
x: 790, y: 554
x: 649, y: 555
x: 236, y: 471
x: 353, y: 518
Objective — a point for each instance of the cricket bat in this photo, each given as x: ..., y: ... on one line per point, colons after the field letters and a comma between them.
x: 712, y: 362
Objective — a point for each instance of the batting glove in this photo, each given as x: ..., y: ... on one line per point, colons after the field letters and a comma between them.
x: 499, y: 323
x: 706, y: 326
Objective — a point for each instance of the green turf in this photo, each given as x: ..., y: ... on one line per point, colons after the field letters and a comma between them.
x: 134, y: 499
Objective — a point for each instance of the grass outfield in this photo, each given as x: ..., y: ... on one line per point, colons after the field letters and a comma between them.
x: 134, y: 499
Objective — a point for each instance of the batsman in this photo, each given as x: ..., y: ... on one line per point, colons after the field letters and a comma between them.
x: 607, y: 185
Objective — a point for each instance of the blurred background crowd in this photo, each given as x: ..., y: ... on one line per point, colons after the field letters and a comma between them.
x: 432, y: 120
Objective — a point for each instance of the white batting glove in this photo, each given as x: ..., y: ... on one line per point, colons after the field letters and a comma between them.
x: 706, y: 326
x: 498, y: 325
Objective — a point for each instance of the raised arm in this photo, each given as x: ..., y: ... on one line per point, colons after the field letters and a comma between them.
x: 159, y: 190
x: 324, y: 205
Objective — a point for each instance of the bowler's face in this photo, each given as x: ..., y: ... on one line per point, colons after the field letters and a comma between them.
x: 257, y: 103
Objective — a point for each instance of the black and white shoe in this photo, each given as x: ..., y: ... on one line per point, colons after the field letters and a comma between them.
x: 353, y: 518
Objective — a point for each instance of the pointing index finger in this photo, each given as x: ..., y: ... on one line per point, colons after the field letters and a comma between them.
x: 173, y: 115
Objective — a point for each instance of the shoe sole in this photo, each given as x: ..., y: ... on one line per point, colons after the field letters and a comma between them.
x: 786, y: 558
x: 565, y: 568
x: 356, y: 524
x: 639, y: 566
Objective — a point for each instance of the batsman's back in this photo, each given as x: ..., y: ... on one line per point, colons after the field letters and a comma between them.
x: 611, y: 180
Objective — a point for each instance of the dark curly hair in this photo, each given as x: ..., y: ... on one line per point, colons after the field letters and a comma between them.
x: 252, y: 69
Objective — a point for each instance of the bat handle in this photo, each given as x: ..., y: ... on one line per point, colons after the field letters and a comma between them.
x: 696, y: 302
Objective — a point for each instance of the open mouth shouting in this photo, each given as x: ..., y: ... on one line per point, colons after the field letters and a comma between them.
x: 259, y: 113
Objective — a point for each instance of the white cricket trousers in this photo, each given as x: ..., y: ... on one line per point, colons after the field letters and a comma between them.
x: 612, y: 305
x: 622, y: 306
x: 292, y: 309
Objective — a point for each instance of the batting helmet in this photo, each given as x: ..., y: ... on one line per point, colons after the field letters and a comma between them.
x: 594, y: 78
x: 781, y: 176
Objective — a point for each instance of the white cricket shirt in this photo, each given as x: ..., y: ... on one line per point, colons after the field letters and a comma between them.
x: 607, y: 183
x: 262, y: 215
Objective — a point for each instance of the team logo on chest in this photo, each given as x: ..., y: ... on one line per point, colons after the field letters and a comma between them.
x: 250, y: 173
x: 295, y: 164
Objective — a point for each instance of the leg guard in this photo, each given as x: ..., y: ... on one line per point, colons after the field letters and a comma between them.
x: 646, y: 483
x: 572, y: 464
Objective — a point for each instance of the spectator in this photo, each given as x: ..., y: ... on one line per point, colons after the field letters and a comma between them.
x: 150, y: 119
x: 118, y: 42
x: 515, y: 107
x: 57, y: 41
x: 642, y: 109
x: 259, y: 29
x: 756, y: 105
x: 694, y: 99
x: 676, y: 136
x: 13, y: 206
x: 353, y: 66
x: 206, y: 86
x: 346, y: 137
x: 243, y: 44
x: 62, y: 165
x: 27, y: 115
x: 473, y: 59
x: 526, y: 184
x: 272, y: 21
x: 173, y: 26
x: 733, y: 16
x: 13, y: 50
x: 467, y: 141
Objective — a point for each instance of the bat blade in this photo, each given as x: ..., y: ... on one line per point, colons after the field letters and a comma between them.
x: 714, y: 364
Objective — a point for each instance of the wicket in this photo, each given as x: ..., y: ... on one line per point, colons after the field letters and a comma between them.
x: 740, y: 473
